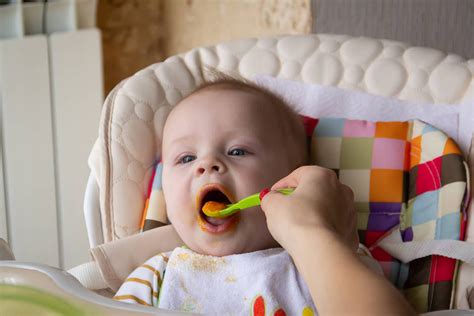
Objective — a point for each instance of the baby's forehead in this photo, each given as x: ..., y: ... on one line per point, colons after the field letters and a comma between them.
x: 246, y: 112
x: 271, y: 120
x: 216, y: 99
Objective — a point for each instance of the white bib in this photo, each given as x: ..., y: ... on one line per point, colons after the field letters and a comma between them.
x: 264, y: 282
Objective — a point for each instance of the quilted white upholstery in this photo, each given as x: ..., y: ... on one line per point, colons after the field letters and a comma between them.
x: 133, y: 115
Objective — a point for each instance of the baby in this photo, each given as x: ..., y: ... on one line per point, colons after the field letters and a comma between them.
x: 225, y: 141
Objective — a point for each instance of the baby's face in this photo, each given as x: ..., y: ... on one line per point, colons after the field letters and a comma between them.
x: 221, y: 145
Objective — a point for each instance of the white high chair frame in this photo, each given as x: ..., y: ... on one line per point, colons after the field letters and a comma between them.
x: 123, y: 157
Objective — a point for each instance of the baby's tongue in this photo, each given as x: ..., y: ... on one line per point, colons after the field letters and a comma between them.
x: 214, y: 220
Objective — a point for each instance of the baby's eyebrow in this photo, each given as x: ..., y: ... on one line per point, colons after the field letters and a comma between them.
x: 181, y: 139
x: 243, y: 136
x: 172, y: 146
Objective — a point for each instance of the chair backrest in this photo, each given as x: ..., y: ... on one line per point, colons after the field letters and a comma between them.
x: 130, y: 131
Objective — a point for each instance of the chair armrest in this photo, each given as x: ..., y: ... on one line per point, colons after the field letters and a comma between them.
x: 92, y: 213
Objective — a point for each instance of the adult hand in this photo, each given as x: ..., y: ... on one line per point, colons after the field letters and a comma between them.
x: 316, y: 224
x: 320, y: 202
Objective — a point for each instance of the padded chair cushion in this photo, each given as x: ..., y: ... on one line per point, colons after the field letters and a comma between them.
x: 407, y: 176
x: 123, y: 158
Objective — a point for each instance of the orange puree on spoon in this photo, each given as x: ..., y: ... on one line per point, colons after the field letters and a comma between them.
x: 213, y: 207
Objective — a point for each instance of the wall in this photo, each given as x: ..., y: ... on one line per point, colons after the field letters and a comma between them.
x: 206, y: 22
x: 132, y: 37
x: 50, y: 99
x: 141, y: 32
x: 447, y: 25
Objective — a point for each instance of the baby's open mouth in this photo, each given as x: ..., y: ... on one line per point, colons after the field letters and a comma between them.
x: 213, y: 196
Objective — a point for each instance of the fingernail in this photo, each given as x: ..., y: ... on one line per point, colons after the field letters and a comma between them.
x: 263, y: 193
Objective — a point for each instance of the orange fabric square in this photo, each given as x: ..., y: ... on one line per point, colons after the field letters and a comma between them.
x: 415, y: 151
x: 397, y: 130
x: 406, y: 163
x: 451, y: 148
x: 386, y: 185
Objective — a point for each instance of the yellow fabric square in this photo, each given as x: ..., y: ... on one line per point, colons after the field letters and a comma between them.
x: 417, y: 128
x: 450, y: 198
x: 415, y: 151
x: 386, y: 185
x: 358, y: 181
x: 406, y: 215
x: 326, y: 151
x: 362, y: 220
x: 362, y: 207
x: 418, y: 297
x: 356, y: 153
x: 432, y: 146
x: 424, y: 231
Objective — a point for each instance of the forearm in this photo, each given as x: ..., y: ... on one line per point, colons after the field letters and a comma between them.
x: 339, y: 282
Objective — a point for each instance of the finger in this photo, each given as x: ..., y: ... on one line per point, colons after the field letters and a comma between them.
x: 273, y: 200
x: 347, y: 192
x: 290, y: 181
x: 353, y: 228
x: 298, y: 176
x: 356, y: 241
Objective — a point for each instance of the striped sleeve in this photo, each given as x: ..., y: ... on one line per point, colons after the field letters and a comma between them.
x: 142, y: 286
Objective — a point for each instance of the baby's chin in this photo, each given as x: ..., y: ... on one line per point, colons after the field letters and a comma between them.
x: 228, y: 248
x: 220, y: 250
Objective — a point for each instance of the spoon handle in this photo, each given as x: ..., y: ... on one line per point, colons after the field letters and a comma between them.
x: 250, y: 201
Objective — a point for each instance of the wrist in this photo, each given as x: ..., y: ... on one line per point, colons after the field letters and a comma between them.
x: 318, y: 239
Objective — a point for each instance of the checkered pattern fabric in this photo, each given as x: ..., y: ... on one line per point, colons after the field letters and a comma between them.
x: 155, y: 202
x: 406, y: 176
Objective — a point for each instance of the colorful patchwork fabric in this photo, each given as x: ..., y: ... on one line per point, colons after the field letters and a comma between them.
x: 406, y: 176
x: 155, y: 207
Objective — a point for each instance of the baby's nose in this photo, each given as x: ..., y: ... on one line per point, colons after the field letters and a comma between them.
x: 202, y: 170
x: 209, y: 166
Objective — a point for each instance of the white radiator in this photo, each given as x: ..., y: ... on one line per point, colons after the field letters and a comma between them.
x: 51, y: 92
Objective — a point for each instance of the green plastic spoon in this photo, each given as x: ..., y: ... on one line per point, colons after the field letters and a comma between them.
x: 250, y: 201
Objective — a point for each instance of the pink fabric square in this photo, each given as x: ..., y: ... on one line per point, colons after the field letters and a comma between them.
x: 388, y: 153
x: 356, y: 128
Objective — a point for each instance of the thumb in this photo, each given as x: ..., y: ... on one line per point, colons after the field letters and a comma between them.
x: 273, y: 200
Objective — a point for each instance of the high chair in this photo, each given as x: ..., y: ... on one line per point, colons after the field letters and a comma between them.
x: 124, y: 157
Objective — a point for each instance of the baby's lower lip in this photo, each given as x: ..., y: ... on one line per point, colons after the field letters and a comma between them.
x: 219, y: 226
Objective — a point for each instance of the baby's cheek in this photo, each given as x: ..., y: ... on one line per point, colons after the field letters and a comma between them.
x: 182, y: 222
x: 257, y: 234
x: 264, y: 178
x: 172, y: 206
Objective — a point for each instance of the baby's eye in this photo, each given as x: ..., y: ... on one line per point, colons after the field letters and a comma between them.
x: 237, y: 152
x: 186, y: 159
